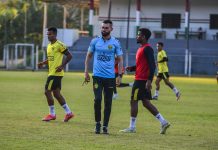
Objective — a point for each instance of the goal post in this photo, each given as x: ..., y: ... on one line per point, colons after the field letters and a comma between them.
x: 19, y: 56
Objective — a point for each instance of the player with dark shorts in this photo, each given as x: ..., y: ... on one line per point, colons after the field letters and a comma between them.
x: 141, y: 90
x: 53, y: 82
x: 163, y: 74
x: 55, y: 54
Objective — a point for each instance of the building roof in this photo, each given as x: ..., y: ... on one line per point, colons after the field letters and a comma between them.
x: 72, y: 3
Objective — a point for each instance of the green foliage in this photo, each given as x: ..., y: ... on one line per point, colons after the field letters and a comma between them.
x: 12, y: 20
x: 193, y: 119
x: 8, y: 11
x: 12, y: 14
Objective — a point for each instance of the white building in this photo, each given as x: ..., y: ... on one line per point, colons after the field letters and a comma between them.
x: 203, y: 13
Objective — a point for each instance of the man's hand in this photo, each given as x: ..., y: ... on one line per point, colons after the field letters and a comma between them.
x: 128, y: 68
x: 87, y: 77
x: 40, y: 65
x: 148, y: 85
x: 59, y: 68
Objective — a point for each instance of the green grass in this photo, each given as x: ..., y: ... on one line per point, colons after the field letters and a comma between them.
x: 194, y: 119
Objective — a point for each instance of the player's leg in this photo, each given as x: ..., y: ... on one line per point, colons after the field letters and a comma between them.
x: 50, y: 100
x: 115, y: 95
x: 124, y: 85
x: 97, y: 88
x: 157, y: 83
x: 133, y: 117
x: 168, y: 83
x: 133, y: 109
x: 154, y: 111
x: 60, y: 98
x: 108, y: 93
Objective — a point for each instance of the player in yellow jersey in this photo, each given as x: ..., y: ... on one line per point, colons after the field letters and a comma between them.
x: 55, y: 52
x: 163, y: 72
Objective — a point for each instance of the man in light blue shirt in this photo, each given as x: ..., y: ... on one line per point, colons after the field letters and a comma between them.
x: 104, y: 49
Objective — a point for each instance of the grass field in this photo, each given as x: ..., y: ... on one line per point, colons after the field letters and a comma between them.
x: 194, y: 119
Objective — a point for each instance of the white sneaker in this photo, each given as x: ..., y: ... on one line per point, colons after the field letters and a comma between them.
x: 128, y: 130
x: 164, y: 127
x: 178, y: 94
x: 115, y: 96
x: 131, y: 84
x: 155, y: 97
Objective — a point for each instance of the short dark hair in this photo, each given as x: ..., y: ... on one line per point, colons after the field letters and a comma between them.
x: 160, y: 43
x: 108, y: 21
x: 146, y: 32
x: 53, y: 29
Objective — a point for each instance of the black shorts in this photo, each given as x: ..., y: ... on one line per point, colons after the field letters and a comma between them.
x: 164, y: 75
x: 53, y: 82
x: 116, y: 75
x: 139, y: 92
x: 103, y: 85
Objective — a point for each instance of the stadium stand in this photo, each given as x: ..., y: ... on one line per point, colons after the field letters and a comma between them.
x: 204, y: 53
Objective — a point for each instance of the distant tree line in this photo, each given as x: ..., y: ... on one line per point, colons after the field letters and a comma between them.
x: 22, y: 20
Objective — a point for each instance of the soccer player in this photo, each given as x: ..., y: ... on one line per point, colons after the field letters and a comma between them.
x: 141, y: 90
x: 163, y: 72
x: 55, y: 52
x: 115, y: 95
x: 103, y: 49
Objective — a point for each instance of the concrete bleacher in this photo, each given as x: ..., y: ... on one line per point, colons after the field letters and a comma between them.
x: 204, y: 53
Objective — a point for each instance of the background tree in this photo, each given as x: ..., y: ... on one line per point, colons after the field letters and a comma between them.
x: 22, y: 20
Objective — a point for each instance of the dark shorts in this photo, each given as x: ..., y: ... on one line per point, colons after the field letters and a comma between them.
x: 53, y: 82
x: 105, y: 85
x: 164, y: 75
x: 116, y: 75
x: 139, y: 92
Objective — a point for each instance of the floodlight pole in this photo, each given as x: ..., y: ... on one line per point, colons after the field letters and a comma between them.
x: 37, y: 57
x: 65, y: 17
x: 91, y: 14
x: 138, y: 10
x: 187, y: 27
x: 109, y: 9
x: 127, y: 35
x: 45, y: 18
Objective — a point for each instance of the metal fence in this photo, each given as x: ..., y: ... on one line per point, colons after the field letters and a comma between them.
x: 196, y: 64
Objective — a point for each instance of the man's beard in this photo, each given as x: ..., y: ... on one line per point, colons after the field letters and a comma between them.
x: 105, y: 33
x: 138, y: 41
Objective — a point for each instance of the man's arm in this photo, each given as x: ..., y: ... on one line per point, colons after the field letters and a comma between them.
x: 163, y: 60
x: 120, y: 64
x: 131, y: 68
x: 88, y: 58
x: 66, y: 60
x: 120, y: 68
x: 40, y: 64
x: 149, y: 54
